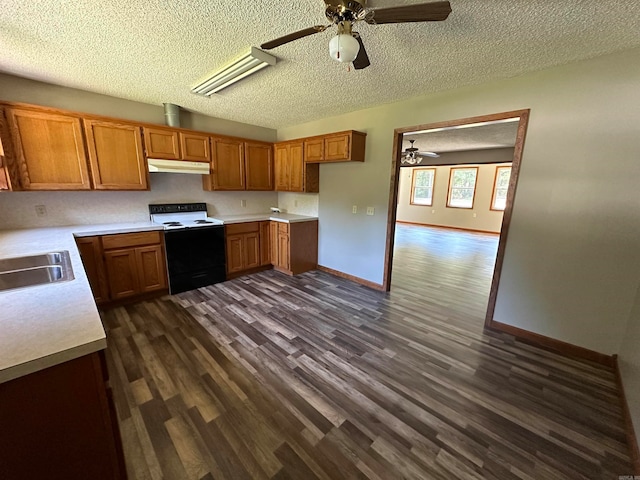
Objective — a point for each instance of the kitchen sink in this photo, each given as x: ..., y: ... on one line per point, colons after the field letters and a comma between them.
x: 41, y: 260
x: 20, y: 272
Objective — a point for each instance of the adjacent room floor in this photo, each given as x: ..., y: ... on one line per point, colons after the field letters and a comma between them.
x: 314, y: 376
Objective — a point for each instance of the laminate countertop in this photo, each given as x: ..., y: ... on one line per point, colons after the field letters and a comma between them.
x: 260, y: 217
x: 44, y: 325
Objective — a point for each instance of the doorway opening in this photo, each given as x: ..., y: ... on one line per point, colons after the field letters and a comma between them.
x: 461, y: 175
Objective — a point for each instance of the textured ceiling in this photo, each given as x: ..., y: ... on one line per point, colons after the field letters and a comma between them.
x: 154, y: 51
x: 480, y: 137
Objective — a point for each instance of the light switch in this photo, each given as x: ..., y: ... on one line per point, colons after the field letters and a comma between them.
x: 371, y: 210
x: 41, y: 210
x: 243, y: 203
x: 354, y: 209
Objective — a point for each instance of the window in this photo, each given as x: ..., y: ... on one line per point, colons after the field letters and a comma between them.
x: 500, y: 188
x: 462, y: 187
x: 422, y: 186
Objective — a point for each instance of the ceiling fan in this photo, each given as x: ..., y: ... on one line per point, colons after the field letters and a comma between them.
x: 412, y: 155
x: 347, y: 45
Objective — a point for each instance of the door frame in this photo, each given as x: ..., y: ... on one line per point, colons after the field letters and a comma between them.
x: 508, y: 211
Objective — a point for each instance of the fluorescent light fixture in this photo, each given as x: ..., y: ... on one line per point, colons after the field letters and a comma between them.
x: 250, y: 63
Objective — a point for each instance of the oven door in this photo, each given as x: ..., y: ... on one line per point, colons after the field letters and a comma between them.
x: 195, y: 257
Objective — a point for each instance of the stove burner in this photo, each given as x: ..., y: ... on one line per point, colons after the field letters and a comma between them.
x: 200, y: 222
x: 172, y: 224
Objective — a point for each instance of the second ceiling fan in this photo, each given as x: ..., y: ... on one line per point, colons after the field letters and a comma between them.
x: 347, y: 45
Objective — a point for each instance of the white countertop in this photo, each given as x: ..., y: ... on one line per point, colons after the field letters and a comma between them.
x: 259, y: 217
x: 44, y: 325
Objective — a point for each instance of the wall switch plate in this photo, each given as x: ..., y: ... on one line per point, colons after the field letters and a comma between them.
x: 41, y: 210
x: 243, y: 203
x: 433, y: 211
x: 295, y: 203
x: 475, y: 215
x: 371, y: 210
x: 354, y: 209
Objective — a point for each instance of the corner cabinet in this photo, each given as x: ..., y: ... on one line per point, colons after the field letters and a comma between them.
x: 49, y: 150
x: 61, y: 423
x: 291, y: 172
x: 116, y: 155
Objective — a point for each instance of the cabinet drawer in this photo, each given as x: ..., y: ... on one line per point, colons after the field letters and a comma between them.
x: 237, y: 228
x: 283, y: 227
x: 130, y: 239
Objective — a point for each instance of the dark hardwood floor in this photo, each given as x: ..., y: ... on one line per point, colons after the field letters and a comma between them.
x: 268, y: 376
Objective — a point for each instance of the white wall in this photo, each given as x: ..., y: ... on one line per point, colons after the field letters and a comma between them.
x: 439, y: 214
x: 299, y: 203
x: 17, y: 209
x: 572, y: 263
x: 629, y: 362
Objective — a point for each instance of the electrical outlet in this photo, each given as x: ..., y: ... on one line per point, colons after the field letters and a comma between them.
x: 295, y: 203
x: 41, y: 210
x: 433, y: 211
x: 243, y: 203
x: 371, y: 210
x: 475, y: 215
x: 354, y: 209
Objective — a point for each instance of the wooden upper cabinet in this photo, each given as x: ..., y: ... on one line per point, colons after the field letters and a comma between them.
x: 258, y: 161
x: 336, y: 147
x: 228, y: 164
x: 116, y: 155
x: 314, y: 150
x: 161, y: 143
x: 296, y: 167
x: 49, y: 150
x: 281, y: 166
x: 291, y: 172
x: 195, y: 147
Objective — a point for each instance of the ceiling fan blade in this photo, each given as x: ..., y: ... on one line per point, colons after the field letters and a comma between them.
x: 422, y: 12
x: 362, y: 60
x: 294, y: 36
x: 427, y: 155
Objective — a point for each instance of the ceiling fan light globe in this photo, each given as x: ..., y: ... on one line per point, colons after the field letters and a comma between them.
x: 344, y: 48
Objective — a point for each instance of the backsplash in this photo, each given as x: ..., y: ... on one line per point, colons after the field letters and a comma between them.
x: 18, y: 209
x: 298, y: 203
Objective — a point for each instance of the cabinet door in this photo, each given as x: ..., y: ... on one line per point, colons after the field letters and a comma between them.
x: 152, y: 273
x: 91, y: 253
x: 235, y: 253
x: 117, y: 158
x: 195, y: 147
x: 49, y: 150
x: 161, y: 143
x: 122, y: 271
x: 273, y: 242
x: 265, y: 244
x: 258, y: 162
x: 228, y: 164
x: 281, y: 167
x: 283, y: 250
x: 251, y: 257
x: 314, y: 150
x: 336, y: 147
x: 296, y: 167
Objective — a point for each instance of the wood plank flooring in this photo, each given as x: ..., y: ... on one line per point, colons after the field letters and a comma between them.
x: 273, y: 377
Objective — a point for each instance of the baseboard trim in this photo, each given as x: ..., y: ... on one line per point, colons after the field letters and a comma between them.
x: 552, y: 344
x: 632, y: 439
x: 446, y: 227
x: 353, y: 278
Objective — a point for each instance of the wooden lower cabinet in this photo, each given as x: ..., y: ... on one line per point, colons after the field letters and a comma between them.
x: 243, y: 246
x: 265, y: 243
x: 60, y: 423
x: 91, y: 253
x: 294, y: 246
x: 123, y: 266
